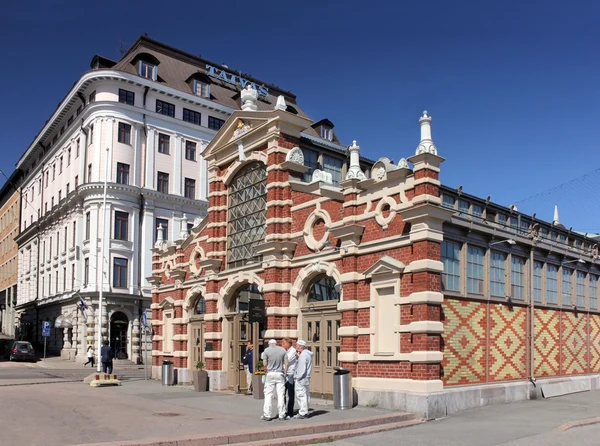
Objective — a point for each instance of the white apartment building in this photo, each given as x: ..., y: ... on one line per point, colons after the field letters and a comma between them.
x: 140, y: 125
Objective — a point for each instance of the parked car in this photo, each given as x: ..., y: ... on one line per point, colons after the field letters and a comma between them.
x: 22, y: 351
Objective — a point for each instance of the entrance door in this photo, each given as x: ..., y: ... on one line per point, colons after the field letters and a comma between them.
x: 197, y: 330
x: 118, y: 334
x: 321, y: 333
x: 242, y: 332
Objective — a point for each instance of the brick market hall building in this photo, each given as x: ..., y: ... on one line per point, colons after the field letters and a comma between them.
x: 436, y: 300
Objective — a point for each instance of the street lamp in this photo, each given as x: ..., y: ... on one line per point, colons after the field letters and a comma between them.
x: 509, y: 241
x: 580, y: 261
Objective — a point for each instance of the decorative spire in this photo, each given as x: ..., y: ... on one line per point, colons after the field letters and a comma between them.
x: 160, y: 236
x: 426, y: 145
x: 281, y: 105
x: 354, y: 169
x: 184, y: 233
x: 555, y: 220
x: 249, y: 97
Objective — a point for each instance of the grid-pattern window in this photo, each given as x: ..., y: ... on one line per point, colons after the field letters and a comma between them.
x: 497, y: 274
x: 165, y: 225
x: 122, y: 173
x: 475, y: 270
x: 164, y: 143
x: 202, y: 89
x: 593, y: 292
x: 190, y: 188
x: 513, y: 221
x: 517, y: 277
x: 551, y: 284
x: 124, y: 135
x: 323, y: 289
x: 120, y: 273
x: 566, y: 286
x: 477, y: 212
x: 165, y: 108
x: 192, y: 116
x: 87, y: 225
x: 190, y: 150
x: 126, y: 97
x: 523, y: 227
x: 311, y: 160
x: 163, y: 182
x: 580, y: 285
x: 451, y: 261
x: 121, y: 225
x: 537, y: 281
x: 334, y: 167
x: 246, y: 227
x: 215, y: 123
x: 463, y: 208
x: 448, y: 201
x: 147, y: 70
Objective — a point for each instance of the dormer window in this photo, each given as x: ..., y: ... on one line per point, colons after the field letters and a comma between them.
x: 147, y: 70
x: 202, y: 89
x: 326, y: 133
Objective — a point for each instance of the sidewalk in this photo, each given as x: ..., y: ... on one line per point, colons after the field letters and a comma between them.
x: 66, y: 364
x: 73, y: 413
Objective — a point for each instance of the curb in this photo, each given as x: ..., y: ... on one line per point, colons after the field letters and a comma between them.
x: 578, y: 423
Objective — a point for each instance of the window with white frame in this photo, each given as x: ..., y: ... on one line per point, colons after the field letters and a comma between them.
x: 451, y: 261
x: 517, y: 277
x: 497, y: 274
x: 475, y: 270
x: 201, y: 89
x: 566, y: 286
x: 593, y: 291
x: 580, y: 286
x: 147, y: 70
x: 551, y: 284
x: 448, y: 201
x: 537, y: 281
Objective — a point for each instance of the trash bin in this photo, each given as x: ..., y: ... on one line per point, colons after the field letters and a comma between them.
x: 342, y: 389
x: 168, y: 373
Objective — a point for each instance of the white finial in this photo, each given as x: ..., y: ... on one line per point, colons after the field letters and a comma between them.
x: 354, y: 168
x: 160, y: 236
x: 241, y: 153
x: 281, y: 105
x: 183, y: 233
x: 426, y: 145
x: 555, y: 220
x: 249, y: 97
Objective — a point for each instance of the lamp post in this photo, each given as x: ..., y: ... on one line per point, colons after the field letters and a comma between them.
x: 102, y: 248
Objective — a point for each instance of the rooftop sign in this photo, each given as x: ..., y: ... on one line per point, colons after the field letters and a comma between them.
x: 235, y: 80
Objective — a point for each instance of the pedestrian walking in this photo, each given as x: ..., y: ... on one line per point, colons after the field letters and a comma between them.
x: 302, y: 379
x: 273, y: 358
x: 106, y: 356
x: 291, y: 359
x: 90, y: 356
x: 248, y: 362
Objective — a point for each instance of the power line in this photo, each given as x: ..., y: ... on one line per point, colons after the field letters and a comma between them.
x: 592, y: 174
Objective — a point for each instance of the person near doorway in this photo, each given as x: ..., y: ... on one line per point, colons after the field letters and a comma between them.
x: 90, y: 356
x: 248, y: 362
x: 106, y: 356
x: 273, y: 358
x: 302, y: 379
x: 291, y: 359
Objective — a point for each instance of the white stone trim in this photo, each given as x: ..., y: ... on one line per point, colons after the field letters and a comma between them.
x: 271, y: 221
x: 352, y: 277
x: 277, y: 185
x: 310, y: 203
x: 379, y: 218
x: 427, y: 180
x: 418, y: 266
x: 210, y: 317
x: 217, y: 208
x: 275, y: 203
x: 213, y: 355
x: 180, y: 337
x: 396, y: 384
x: 213, y: 335
x: 351, y: 305
x: 426, y: 357
x: 282, y: 311
x: 422, y: 327
x: 217, y: 224
x: 281, y: 334
x: 309, y: 239
x: 355, y: 331
x: 234, y: 167
x: 421, y: 297
x: 278, y: 286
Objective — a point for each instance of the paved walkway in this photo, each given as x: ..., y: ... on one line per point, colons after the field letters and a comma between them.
x: 73, y: 413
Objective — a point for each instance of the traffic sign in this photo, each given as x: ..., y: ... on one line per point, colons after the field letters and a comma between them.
x: 144, y: 319
x: 45, y: 329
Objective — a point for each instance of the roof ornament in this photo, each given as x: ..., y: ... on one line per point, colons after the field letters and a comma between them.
x: 354, y: 171
x: 184, y: 233
x: 160, y: 236
x: 249, y: 97
x: 426, y: 145
x: 555, y: 220
x: 281, y: 105
x: 403, y: 164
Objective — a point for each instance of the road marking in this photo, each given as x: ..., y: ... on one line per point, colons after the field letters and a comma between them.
x: 578, y: 423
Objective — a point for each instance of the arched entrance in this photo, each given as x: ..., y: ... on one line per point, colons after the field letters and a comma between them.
x: 119, y: 325
x: 320, y: 326
x: 241, y: 331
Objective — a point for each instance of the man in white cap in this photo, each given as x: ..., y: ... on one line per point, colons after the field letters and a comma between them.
x: 302, y: 379
x: 273, y: 359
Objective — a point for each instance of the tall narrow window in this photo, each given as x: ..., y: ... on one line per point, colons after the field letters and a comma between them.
x: 190, y: 150
x: 86, y: 272
x: 477, y: 212
x: 551, y: 284
x: 92, y: 97
x: 463, y: 208
x: 66, y: 241
x: 311, y: 160
x: 451, y: 261
x: 60, y: 165
x: 69, y: 157
x: 497, y: 271
x: 53, y: 172
x: 120, y: 273
x: 87, y: 225
x: 77, y: 149
x: 163, y: 182
x: 164, y: 141
x: 74, y: 239
x: 64, y: 278
x: 147, y: 70
x: 91, y: 134
x: 334, y: 167
x: 475, y: 270
x: 122, y: 173
x: 517, y: 278
x: 190, y: 188
x: 73, y: 276
x: 124, y: 136
x: 89, y: 173
x: 537, y: 281
x: 566, y: 286
x: 76, y: 181
x: 202, y: 89
x: 121, y: 225
x: 593, y: 292
x: 246, y: 226
x: 580, y: 289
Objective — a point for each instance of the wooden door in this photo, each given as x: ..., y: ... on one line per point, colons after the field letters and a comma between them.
x: 242, y: 332
x: 321, y: 333
x: 197, y: 330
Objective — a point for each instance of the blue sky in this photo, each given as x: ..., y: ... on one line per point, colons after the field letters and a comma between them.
x: 512, y: 86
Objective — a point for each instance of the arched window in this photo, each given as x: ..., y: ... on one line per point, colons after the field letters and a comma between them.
x: 323, y: 289
x: 200, y: 306
x: 247, y: 214
x: 243, y: 296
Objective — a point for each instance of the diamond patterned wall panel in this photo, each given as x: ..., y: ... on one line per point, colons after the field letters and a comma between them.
x: 594, y: 322
x: 464, y: 342
x: 508, y: 344
x: 547, y: 343
x: 574, y: 344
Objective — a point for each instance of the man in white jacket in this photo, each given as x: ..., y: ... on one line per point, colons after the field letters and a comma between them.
x: 302, y: 379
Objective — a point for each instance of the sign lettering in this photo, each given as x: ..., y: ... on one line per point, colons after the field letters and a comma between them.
x: 235, y: 80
